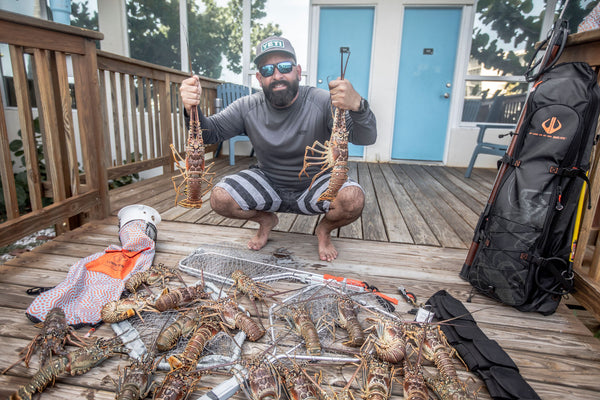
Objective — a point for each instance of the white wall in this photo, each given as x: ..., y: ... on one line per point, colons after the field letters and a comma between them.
x: 112, y: 22
x: 387, y: 37
x: 462, y: 143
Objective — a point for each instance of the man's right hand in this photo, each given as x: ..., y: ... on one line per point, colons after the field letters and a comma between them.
x: 190, y: 91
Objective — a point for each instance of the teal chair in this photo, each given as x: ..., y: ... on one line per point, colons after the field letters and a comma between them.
x: 502, y: 111
x: 487, y: 147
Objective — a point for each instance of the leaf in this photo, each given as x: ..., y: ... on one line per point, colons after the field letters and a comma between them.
x: 15, y: 145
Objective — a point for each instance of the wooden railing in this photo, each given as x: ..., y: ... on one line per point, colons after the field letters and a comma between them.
x: 101, y: 117
x: 585, y: 47
x: 143, y: 114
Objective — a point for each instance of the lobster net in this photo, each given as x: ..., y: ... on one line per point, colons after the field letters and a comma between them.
x: 140, y: 332
x: 316, y: 293
x: 321, y: 303
x: 217, y: 263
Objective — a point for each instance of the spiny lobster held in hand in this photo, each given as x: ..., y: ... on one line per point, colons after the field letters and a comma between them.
x: 333, y: 155
x: 51, y: 340
x: 76, y: 362
x: 196, y: 173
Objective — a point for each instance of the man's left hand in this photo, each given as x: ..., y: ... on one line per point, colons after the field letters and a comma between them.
x: 343, y: 95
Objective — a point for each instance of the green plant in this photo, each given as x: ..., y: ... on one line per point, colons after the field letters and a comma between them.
x: 124, y: 180
x: 22, y: 188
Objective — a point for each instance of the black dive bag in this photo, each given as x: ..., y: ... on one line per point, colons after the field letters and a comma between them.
x: 525, y: 235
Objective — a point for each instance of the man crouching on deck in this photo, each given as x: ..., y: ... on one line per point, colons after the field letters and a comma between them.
x: 281, y: 121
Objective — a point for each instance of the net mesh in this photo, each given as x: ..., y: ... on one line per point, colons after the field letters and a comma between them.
x: 321, y: 303
x: 217, y: 263
x: 140, y: 334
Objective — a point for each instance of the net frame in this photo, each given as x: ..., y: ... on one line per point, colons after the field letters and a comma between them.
x: 321, y: 304
x: 217, y: 265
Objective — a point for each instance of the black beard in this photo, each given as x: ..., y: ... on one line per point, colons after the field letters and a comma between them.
x: 281, y: 98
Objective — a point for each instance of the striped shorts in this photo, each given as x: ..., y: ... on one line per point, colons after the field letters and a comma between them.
x: 252, y: 190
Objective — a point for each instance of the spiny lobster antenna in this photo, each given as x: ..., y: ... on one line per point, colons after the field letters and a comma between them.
x: 344, y: 50
x: 194, y: 113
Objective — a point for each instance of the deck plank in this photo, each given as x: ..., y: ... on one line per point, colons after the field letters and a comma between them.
x: 454, y: 202
x: 373, y: 228
x: 286, y: 220
x: 396, y: 227
x: 417, y: 225
x: 305, y: 224
x: 463, y: 193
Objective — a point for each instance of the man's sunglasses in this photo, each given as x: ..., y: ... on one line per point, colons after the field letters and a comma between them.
x: 285, y: 67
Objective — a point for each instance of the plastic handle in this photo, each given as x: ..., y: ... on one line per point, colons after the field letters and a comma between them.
x: 388, y: 298
x: 354, y: 282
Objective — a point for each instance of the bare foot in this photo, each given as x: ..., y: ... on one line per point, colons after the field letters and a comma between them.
x: 327, y: 251
x: 267, y: 222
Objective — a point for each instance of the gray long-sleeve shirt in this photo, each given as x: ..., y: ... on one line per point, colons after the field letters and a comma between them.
x: 280, y: 136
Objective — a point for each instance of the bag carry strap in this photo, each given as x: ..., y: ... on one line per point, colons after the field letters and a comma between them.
x: 574, y: 173
x: 481, y: 354
x: 563, y: 275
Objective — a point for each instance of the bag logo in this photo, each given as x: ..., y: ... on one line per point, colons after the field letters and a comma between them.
x: 551, y: 125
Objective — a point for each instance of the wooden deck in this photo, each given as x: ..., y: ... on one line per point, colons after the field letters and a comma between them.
x: 413, y: 204
x: 414, y: 232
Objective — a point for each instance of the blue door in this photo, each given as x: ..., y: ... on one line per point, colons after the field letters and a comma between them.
x: 346, y: 27
x: 427, y: 58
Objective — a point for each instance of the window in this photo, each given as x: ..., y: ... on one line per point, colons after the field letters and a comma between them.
x: 504, y: 36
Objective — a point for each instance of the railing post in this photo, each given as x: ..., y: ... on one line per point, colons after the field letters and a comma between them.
x: 93, y: 137
x: 166, y: 132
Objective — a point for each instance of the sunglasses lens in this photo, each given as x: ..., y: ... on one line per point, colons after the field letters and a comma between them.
x: 285, y: 67
x: 267, y: 70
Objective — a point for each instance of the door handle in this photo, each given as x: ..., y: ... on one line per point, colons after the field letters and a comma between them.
x: 446, y: 95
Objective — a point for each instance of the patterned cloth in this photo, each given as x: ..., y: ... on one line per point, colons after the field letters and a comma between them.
x: 591, y: 21
x: 86, y: 290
